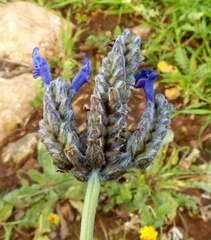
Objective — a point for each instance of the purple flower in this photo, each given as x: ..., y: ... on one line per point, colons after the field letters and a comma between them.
x: 145, y: 79
x: 82, y: 76
x: 40, y: 68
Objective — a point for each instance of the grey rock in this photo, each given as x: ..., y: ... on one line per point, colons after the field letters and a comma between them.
x: 19, y: 151
x: 142, y: 32
x: 14, y: 107
x: 24, y: 26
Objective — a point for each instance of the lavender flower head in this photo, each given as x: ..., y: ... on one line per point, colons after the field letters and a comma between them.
x: 106, y: 144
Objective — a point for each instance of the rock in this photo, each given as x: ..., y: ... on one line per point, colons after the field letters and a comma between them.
x: 143, y: 32
x: 24, y: 26
x: 18, y: 152
x: 14, y: 107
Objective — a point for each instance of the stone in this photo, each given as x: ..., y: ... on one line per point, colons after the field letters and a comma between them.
x: 24, y: 26
x: 18, y: 152
x: 142, y: 32
x: 14, y: 107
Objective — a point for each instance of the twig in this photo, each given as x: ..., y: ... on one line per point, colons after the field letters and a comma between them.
x: 16, y: 72
x: 183, y: 223
x: 104, y: 231
x: 19, y: 231
x: 7, y: 61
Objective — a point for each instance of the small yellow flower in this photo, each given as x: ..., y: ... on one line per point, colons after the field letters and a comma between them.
x: 148, y: 233
x: 164, y: 67
x: 53, y: 218
x: 108, y: 34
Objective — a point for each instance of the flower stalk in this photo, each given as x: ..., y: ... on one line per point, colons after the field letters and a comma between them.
x: 90, y: 206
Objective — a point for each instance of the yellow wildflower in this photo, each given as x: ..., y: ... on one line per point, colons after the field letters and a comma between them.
x: 164, y: 67
x: 173, y: 92
x: 108, y: 34
x: 53, y: 218
x: 148, y: 233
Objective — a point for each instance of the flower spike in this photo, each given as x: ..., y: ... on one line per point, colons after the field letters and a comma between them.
x: 145, y: 79
x: 82, y: 76
x: 106, y: 144
x: 40, y: 68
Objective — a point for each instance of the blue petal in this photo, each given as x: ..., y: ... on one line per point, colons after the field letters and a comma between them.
x: 149, y: 86
x: 45, y: 72
x: 145, y: 79
x: 40, y: 68
x: 140, y: 83
x: 36, y: 73
x: 82, y: 76
x: 142, y: 74
x: 36, y: 58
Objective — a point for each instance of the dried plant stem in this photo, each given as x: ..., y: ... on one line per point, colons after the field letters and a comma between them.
x: 90, y: 206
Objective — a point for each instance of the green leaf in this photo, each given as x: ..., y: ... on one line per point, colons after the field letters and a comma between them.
x: 25, y: 196
x: 200, y: 94
x: 46, y: 225
x: 188, y: 27
x: 168, y: 138
x: 12, y: 198
x: 195, y: 16
x: 206, y: 186
x: 140, y: 197
x: 184, y: 201
x: 124, y: 196
x: 8, y: 232
x: 196, y: 111
x: 24, y: 183
x: 45, y: 161
x: 108, y: 206
x: 182, y: 59
x: 78, y: 205
x: 32, y: 215
x: 196, y: 105
x: 59, y: 3
x: 146, y: 216
x: 5, y: 210
x: 117, y: 31
x: 203, y: 71
x: 163, y: 210
x: 174, y: 157
x: 164, y: 199
x: 52, y: 197
x: 159, y: 162
x: 36, y: 176
x: 76, y: 191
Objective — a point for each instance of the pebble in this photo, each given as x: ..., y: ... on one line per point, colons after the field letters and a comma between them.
x: 18, y: 152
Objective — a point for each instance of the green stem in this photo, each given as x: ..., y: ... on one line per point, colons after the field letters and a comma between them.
x: 90, y: 206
